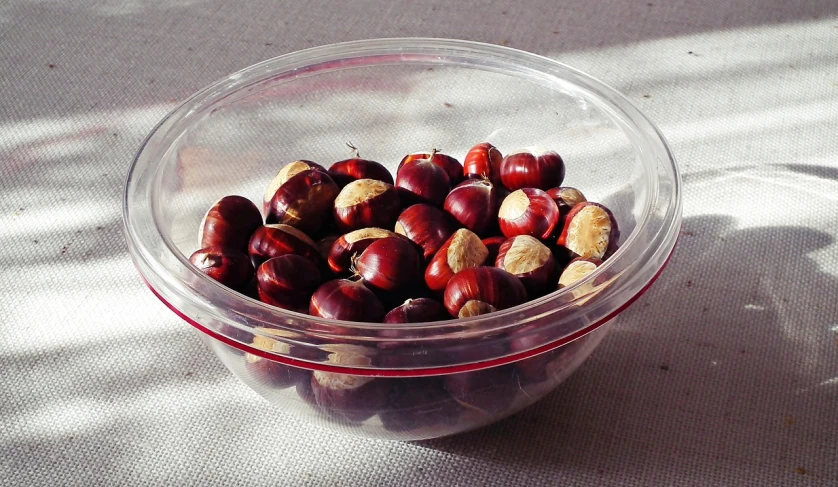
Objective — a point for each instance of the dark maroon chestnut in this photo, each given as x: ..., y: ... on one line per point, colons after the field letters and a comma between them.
x: 493, y: 245
x: 420, y: 310
x: 532, y: 168
x: 352, y: 398
x: 229, y: 223
x: 324, y: 246
x: 422, y: 181
x: 451, y: 166
x: 277, y: 239
x: 389, y: 264
x: 284, y: 174
x: 590, y: 230
x: 344, y: 172
x: 495, y: 287
x: 483, y: 161
x: 275, y: 374
x: 419, y: 402
x: 487, y: 390
x: 305, y: 201
x: 474, y: 204
x: 227, y: 266
x: 366, y: 203
x: 541, y: 367
x: 530, y: 261
x: 462, y: 250
x: 353, y: 243
x: 528, y: 211
x: 566, y: 197
x: 426, y: 226
x: 343, y: 299
x: 287, y: 282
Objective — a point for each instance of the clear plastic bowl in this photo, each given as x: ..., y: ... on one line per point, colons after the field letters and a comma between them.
x: 390, y: 97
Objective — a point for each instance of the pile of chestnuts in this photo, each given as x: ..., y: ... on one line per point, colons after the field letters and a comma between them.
x: 443, y: 240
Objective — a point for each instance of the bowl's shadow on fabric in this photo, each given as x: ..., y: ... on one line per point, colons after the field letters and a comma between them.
x: 712, y: 340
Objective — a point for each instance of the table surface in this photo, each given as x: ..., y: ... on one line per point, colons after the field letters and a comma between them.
x: 725, y: 373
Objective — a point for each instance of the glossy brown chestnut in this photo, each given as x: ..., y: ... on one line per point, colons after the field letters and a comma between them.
x: 366, y: 203
x: 344, y: 172
x: 350, y: 398
x: 462, y: 250
x: 530, y: 261
x: 495, y: 287
x: 590, y: 230
x: 483, y: 161
x: 277, y: 239
x: 389, y: 264
x: 421, y: 181
x: 353, y: 243
x: 420, y: 310
x: 227, y: 266
x: 474, y: 204
x: 343, y: 299
x: 229, y: 223
x: 493, y: 245
x: 528, y: 211
x: 532, y: 168
x: 305, y: 201
x: 426, y: 226
x: 566, y: 197
x: 451, y: 166
x: 486, y: 390
x: 287, y: 282
x: 284, y: 175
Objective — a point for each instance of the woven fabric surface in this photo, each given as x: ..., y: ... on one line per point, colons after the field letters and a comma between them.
x: 724, y: 373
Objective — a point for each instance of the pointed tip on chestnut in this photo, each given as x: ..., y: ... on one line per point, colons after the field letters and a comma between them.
x: 483, y: 161
x: 227, y: 266
x: 422, y: 181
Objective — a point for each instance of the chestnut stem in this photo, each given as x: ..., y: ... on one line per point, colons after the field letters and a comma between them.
x: 354, y: 150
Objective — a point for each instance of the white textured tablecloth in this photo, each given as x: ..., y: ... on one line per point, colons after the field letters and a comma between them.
x: 725, y: 373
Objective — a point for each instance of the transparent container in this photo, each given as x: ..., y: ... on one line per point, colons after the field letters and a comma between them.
x: 390, y: 97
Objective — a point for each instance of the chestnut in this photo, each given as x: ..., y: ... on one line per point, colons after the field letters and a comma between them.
x: 366, y: 203
x: 419, y: 402
x: 418, y: 310
x: 353, y: 243
x: 490, y: 391
x: 578, y: 269
x: 422, y: 181
x: 275, y: 374
x: 344, y: 172
x: 287, y: 282
x: 462, y: 250
x: 227, y: 266
x: 277, y: 239
x: 389, y: 264
x: 495, y: 287
x: 493, y: 245
x: 305, y: 201
x: 590, y: 230
x: 351, y: 398
x: 451, y: 166
x: 348, y: 300
x: 474, y: 204
x: 229, y: 223
x: 284, y: 174
x: 483, y: 161
x: 324, y: 246
x: 530, y: 261
x: 426, y: 226
x: 532, y: 168
x: 566, y: 198
x: 528, y: 211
